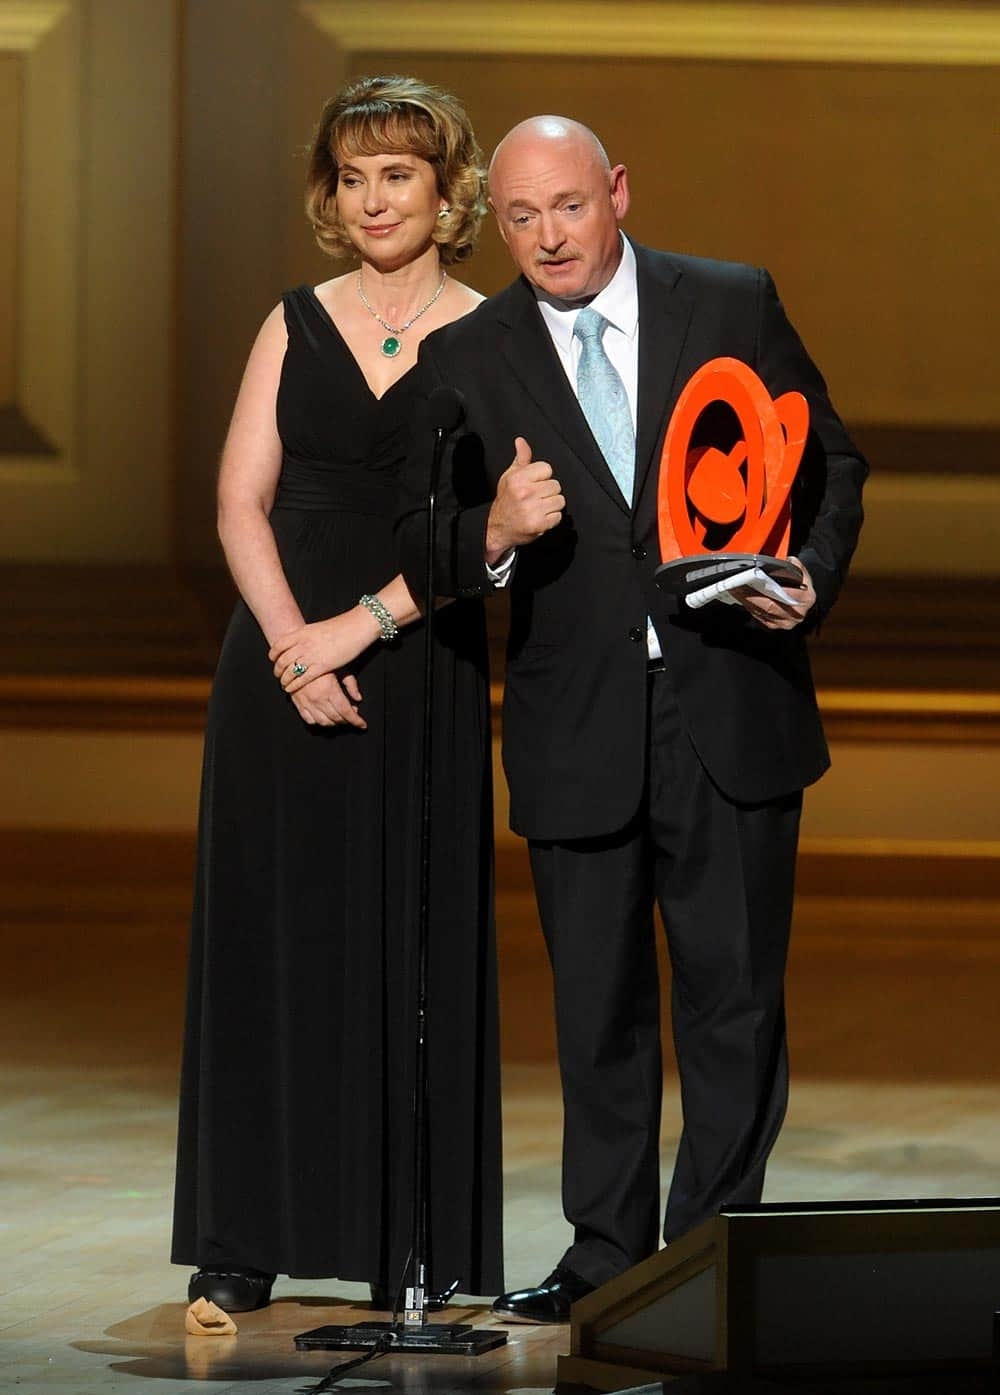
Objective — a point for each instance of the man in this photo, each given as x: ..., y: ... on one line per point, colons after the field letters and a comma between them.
x: 651, y: 749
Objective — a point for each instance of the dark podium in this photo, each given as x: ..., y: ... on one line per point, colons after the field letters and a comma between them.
x: 812, y: 1289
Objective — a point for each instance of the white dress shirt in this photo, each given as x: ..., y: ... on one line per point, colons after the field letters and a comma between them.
x: 619, y: 304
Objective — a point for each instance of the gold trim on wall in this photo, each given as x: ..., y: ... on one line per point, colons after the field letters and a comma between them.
x: 24, y: 22
x: 938, y: 35
x: 95, y: 702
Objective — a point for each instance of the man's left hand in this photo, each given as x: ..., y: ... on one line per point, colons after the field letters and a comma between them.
x: 775, y: 615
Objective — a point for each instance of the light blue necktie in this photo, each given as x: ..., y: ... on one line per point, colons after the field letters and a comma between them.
x: 602, y: 396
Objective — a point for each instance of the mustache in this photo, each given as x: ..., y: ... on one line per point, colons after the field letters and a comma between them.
x: 543, y: 258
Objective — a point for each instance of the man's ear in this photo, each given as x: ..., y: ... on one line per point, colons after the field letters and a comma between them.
x: 620, y: 196
x: 493, y: 209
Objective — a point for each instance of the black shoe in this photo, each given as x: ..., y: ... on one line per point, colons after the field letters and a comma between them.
x: 549, y: 1302
x: 235, y: 1290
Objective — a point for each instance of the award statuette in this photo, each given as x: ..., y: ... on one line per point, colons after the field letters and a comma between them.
x: 729, y: 460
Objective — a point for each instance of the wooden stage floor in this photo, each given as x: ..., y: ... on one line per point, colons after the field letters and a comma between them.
x: 895, y: 1094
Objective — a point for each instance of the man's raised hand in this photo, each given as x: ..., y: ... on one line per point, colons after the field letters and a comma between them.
x: 529, y: 502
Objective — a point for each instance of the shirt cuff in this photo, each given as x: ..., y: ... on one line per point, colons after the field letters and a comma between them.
x: 501, y: 572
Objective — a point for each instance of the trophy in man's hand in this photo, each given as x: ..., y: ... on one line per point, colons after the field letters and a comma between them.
x: 729, y: 460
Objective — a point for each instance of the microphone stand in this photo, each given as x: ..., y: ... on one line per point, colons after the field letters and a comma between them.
x: 414, y: 1332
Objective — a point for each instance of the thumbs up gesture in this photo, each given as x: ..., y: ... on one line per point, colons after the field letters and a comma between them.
x: 529, y: 502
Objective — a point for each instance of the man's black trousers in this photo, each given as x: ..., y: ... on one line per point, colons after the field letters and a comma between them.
x: 723, y: 875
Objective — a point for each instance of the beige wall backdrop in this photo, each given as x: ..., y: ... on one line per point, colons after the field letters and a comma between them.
x: 851, y: 148
x: 10, y: 172
x: 85, y: 469
x: 864, y: 190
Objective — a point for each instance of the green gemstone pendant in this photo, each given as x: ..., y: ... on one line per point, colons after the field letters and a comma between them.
x: 391, y: 346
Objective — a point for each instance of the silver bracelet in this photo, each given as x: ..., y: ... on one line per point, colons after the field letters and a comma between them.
x: 387, y: 625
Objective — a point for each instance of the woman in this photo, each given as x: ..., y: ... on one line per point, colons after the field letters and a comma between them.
x: 295, y: 1145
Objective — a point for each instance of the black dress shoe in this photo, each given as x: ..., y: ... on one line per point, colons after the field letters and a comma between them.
x: 235, y: 1290
x: 549, y: 1302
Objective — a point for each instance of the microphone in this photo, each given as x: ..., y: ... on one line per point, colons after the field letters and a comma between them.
x: 446, y: 407
x: 445, y: 412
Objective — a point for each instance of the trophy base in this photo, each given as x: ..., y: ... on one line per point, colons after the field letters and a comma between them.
x: 689, y: 574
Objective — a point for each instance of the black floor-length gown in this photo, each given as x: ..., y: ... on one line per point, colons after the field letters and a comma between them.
x: 295, y: 1144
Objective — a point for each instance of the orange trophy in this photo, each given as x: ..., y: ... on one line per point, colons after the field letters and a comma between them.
x: 724, y: 505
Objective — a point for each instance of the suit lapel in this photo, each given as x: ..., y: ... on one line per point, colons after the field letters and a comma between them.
x: 665, y: 308
x: 531, y: 357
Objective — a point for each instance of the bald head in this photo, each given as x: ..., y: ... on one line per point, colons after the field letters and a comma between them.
x: 558, y: 203
x: 536, y: 133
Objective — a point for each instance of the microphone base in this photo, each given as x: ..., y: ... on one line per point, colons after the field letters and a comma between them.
x: 434, y: 1338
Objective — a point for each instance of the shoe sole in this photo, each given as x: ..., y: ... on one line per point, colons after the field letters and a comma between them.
x: 509, y: 1316
x: 254, y: 1308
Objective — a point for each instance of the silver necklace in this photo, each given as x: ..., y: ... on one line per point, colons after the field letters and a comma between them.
x: 390, y: 345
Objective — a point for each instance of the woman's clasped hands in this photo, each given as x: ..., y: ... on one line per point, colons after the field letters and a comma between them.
x: 305, y: 661
x: 327, y: 701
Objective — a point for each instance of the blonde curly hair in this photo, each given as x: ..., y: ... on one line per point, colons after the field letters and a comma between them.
x: 379, y: 114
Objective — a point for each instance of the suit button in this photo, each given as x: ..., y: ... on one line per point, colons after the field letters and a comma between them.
x: 636, y: 635
x: 639, y: 552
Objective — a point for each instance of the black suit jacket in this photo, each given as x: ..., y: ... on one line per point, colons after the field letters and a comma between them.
x: 575, y: 696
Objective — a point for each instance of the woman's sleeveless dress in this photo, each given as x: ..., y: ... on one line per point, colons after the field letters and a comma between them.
x: 296, y: 1145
